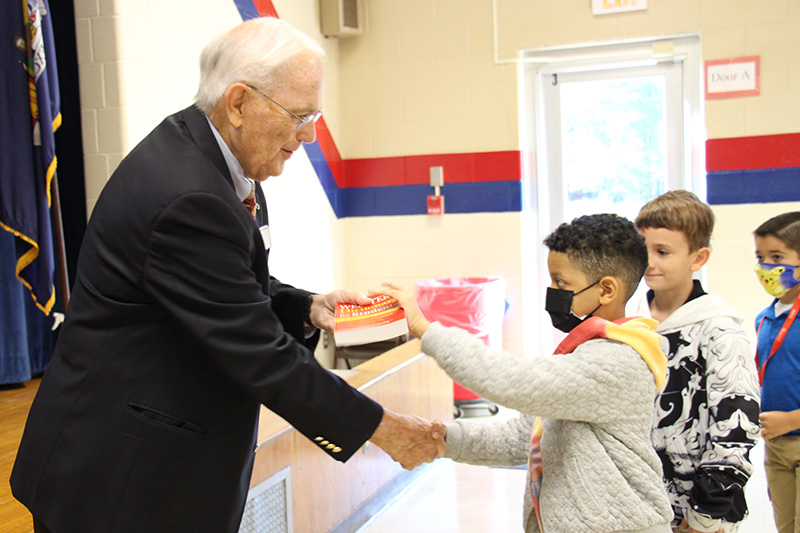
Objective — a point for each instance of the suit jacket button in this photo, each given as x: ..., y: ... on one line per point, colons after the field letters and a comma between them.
x: 337, y: 449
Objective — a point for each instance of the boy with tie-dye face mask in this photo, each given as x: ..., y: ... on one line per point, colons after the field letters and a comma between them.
x: 778, y: 358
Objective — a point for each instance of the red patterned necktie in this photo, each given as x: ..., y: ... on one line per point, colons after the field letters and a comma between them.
x: 250, y: 201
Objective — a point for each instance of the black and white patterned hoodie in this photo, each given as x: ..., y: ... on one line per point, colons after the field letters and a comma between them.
x: 705, y: 420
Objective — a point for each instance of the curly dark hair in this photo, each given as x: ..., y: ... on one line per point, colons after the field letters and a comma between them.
x: 603, y: 245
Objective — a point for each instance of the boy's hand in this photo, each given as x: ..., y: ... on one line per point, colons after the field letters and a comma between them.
x: 777, y: 423
x: 417, y: 324
x: 409, y: 440
x: 439, y: 433
x: 685, y: 527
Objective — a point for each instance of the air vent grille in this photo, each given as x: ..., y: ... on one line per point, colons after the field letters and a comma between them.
x: 269, y: 506
x: 350, y: 14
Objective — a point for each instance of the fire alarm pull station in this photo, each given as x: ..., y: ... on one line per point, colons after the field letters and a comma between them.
x: 436, y: 200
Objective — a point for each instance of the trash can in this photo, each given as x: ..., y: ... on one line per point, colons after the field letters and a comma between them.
x: 475, y: 304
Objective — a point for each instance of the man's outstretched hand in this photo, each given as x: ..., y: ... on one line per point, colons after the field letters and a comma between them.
x: 323, y: 306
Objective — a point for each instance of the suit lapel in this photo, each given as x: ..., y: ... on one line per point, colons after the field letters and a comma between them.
x: 203, y: 137
x: 261, y: 215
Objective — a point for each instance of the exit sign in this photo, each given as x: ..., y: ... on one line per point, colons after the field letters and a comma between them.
x: 606, y: 7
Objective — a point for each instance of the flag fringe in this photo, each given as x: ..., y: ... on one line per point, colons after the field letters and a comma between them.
x: 23, y: 262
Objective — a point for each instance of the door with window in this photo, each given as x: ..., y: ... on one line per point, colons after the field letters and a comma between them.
x: 611, y: 126
x: 613, y: 138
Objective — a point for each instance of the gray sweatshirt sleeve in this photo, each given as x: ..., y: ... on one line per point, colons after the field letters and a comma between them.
x: 501, y: 443
x: 585, y: 385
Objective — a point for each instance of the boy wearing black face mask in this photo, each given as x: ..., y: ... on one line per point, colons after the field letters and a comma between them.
x: 705, y: 421
x: 584, y: 425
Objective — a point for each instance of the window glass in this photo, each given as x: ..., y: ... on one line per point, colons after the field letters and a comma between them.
x: 613, y: 144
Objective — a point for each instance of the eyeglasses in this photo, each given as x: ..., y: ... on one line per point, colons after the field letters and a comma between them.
x: 313, y: 117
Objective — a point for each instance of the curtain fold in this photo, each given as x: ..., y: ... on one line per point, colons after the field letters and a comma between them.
x: 26, y: 336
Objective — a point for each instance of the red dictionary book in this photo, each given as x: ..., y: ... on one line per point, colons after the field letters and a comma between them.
x: 362, y: 324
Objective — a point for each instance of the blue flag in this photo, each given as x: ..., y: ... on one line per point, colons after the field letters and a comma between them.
x: 29, y: 116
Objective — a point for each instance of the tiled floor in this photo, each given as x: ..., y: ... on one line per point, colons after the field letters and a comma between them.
x: 453, y: 497
x: 457, y: 498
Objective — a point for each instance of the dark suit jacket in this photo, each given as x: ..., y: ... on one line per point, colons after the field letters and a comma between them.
x: 146, y: 418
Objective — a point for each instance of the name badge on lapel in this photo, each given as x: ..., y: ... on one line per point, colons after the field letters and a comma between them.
x: 265, y: 237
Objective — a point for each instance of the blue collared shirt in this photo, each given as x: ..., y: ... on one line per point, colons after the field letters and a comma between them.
x: 781, y: 388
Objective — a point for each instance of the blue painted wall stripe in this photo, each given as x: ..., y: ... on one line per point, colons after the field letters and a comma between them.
x: 480, y: 197
x: 753, y: 186
x: 246, y: 9
x: 326, y: 179
x: 477, y: 197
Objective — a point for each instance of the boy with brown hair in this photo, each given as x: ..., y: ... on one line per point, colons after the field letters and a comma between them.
x: 706, y: 419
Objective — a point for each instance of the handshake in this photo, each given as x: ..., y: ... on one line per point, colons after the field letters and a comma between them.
x: 410, y: 440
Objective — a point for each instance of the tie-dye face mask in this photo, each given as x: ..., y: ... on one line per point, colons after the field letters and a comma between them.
x: 777, y: 279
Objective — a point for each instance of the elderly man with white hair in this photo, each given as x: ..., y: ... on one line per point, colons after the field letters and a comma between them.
x: 176, y: 333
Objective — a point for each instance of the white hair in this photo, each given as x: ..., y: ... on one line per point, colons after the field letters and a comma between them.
x: 256, y: 51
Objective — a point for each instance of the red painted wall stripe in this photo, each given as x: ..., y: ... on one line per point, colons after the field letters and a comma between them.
x: 753, y: 153
x: 329, y: 150
x: 408, y: 170
x: 414, y: 170
x: 265, y: 8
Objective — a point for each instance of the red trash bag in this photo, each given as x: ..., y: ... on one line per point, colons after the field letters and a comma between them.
x: 476, y: 305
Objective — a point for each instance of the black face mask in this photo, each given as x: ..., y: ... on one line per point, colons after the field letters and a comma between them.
x: 558, y: 303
